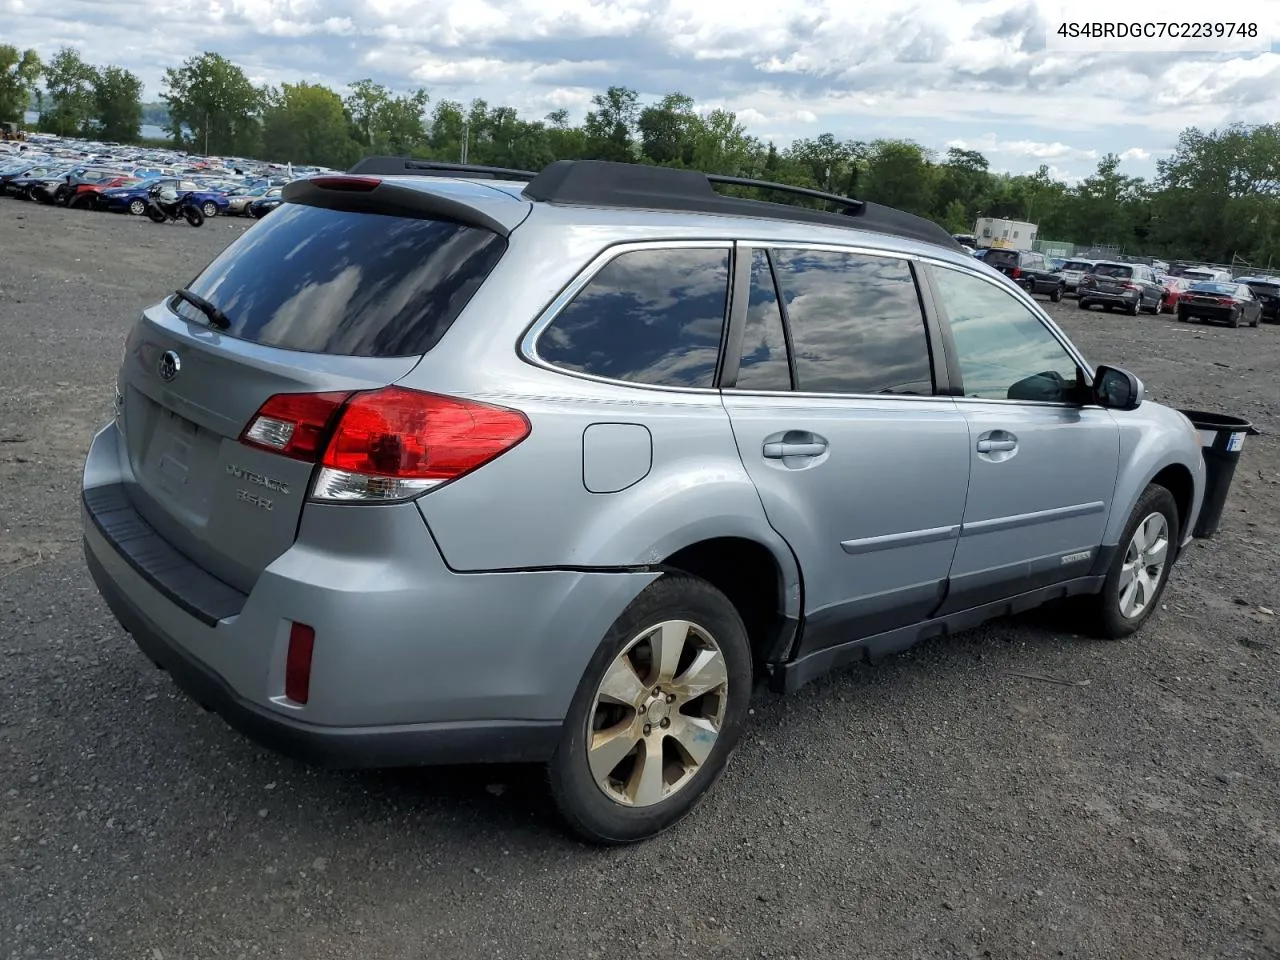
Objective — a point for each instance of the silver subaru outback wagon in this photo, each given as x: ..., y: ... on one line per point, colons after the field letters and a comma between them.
x: 450, y: 465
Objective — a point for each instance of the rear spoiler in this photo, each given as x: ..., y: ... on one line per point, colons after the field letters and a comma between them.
x: 365, y: 194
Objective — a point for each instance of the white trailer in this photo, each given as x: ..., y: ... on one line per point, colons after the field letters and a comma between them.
x: 1005, y: 234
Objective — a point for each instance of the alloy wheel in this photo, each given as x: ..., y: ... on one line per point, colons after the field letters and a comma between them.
x: 657, y: 713
x: 1144, y: 562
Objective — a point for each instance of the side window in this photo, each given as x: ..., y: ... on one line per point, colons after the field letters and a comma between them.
x: 764, y: 346
x: 650, y: 316
x: 855, y: 322
x: 1004, y: 351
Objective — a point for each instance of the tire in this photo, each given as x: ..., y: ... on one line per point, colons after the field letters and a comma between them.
x: 137, y: 207
x: 210, y: 209
x: 1234, y: 320
x: 1057, y: 294
x: 1137, y: 307
x: 193, y: 215
x: 155, y: 215
x: 1256, y: 320
x: 1083, y: 304
x: 1109, y: 618
x: 602, y: 814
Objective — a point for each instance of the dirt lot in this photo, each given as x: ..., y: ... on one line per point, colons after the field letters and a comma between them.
x: 949, y: 803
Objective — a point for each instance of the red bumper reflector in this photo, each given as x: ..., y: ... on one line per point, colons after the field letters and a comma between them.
x: 297, y: 664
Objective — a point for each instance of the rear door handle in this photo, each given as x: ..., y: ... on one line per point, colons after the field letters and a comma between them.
x: 780, y: 450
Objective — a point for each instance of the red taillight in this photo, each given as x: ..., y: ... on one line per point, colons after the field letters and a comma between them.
x: 355, y: 184
x: 395, y: 443
x: 1017, y: 272
x: 1226, y: 301
x: 294, y: 425
x: 297, y: 663
x: 388, y: 444
x: 1131, y: 286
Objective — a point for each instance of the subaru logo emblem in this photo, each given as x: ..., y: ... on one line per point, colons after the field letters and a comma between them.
x: 170, y: 364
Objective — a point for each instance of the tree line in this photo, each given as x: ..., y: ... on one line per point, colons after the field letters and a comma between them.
x: 1215, y: 198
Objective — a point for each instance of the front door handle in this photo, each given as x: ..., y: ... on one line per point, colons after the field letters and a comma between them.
x: 782, y: 450
x: 991, y: 446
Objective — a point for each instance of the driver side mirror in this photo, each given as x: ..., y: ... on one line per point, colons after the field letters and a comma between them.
x: 1117, y: 389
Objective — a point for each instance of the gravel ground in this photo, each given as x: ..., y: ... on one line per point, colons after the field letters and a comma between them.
x: 946, y: 803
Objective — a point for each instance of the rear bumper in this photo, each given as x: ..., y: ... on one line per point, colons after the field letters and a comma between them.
x: 413, y: 663
x: 1214, y: 314
x: 1112, y: 299
x: 343, y: 747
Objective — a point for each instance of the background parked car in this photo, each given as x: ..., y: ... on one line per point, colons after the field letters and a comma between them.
x: 261, y: 206
x: 1174, y: 287
x: 1230, y: 303
x: 1072, y: 271
x: 239, y: 200
x: 1028, y: 270
x: 133, y: 199
x: 1267, y: 290
x: 1131, y: 286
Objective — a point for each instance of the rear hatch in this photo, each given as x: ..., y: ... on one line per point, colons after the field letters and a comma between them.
x: 1113, y: 278
x: 1006, y: 261
x: 1073, y: 270
x: 1268, y: 294
x: 327, y: 296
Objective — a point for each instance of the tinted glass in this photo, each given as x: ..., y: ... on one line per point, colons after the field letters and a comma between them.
x: 764, y: 347
x: 1117, y: 270
x: 1216, y: 289
x: 1265, y: 289
x: 650, y: 316
x: 856, y: 323
x: 1075, y: 265
x: 351, y: 284
x: 1005, y: 352
x: 1001, y: 258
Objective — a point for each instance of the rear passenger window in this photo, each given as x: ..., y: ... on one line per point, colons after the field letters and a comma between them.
x: 650, y: 316
x: 764, y: 346
x: 856, y: 323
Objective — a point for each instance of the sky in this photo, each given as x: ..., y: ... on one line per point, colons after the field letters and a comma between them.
x: 989, y: 75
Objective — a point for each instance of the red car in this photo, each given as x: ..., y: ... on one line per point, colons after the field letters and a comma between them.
x: 86, y: 194
x: 1174, y: 288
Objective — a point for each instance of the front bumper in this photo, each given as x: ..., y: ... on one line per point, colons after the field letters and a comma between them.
x: 413, y: 663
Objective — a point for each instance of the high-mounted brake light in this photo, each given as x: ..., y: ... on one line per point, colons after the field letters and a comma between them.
x: 294, y: 425
x: 384, y: 445
x: 354, y: 184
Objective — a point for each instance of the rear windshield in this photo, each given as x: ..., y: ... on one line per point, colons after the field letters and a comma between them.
x: 1075, y: 265
x: 1265, y: 289
x: 1001, y: 258
x: 1217, y: 289
x: 348, y: 284
x: 1117, y: 270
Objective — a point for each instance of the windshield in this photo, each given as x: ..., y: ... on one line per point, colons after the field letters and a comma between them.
x: 1117, y: 270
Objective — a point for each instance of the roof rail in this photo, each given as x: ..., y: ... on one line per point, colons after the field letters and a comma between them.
x: 605, y: 183
x: 409, y: 166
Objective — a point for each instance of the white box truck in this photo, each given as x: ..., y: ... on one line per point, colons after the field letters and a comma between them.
x: 1004, y: 234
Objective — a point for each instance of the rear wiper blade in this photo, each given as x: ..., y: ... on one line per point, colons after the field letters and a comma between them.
x: 216, y: 317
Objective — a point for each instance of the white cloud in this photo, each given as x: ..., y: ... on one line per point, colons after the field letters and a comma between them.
x: 971, y: 71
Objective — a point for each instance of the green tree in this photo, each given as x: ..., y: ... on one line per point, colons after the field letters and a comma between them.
x: 610, y: 126
x: 212, y: 98
x: 19, y: 72
x: 899, y: 174
x: 387, y: 123
x: 721, y: 144
x: 307, y: 123
x: 117, y: 100
x: 666, y: 130
x: 566, y: 141
x: 827, y: 163
x: 71, y: 83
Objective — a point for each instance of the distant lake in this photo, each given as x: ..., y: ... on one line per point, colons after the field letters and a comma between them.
x: 149, y: 130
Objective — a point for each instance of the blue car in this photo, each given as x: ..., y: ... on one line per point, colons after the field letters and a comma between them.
x: 133, y: 199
